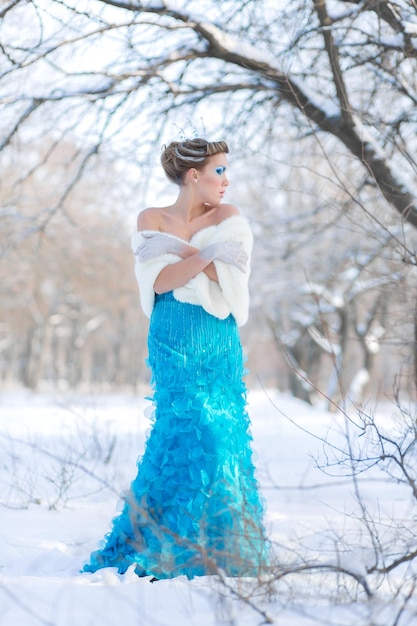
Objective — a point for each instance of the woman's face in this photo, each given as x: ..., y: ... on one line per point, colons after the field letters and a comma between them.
x: 212, y: 180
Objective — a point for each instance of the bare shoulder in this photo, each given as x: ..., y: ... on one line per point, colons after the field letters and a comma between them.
x: 227, y: 210
x: 149, y: 219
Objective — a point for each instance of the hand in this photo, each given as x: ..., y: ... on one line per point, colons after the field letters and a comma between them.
x: 231, y: 252
x: 157, y: 244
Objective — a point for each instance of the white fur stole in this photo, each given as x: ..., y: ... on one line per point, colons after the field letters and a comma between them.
x: 229, y: 295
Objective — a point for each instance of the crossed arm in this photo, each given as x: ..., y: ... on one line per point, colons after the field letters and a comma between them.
x: 178, y: 274
x: 193, y: 261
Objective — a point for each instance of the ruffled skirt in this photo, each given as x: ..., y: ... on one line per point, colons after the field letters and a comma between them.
x: 194, y: 507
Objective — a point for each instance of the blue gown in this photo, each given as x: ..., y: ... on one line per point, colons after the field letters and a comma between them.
x: 194, y: 507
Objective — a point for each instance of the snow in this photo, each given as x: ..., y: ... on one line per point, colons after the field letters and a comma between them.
x: 235, y: 45
x: 410, y: 28
x: 372, y: 147
x: 65, y: 460
x: 357, y: 385
x: 317, y: 289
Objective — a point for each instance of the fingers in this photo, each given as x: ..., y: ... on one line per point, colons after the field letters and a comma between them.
x: 145, y: 251
x: 139, y: 250
x: 240, y: 263
x: 238, y: 256
x: 143, y: 255
x: 155, y: 246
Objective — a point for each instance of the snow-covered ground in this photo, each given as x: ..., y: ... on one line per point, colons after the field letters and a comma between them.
x: 64, y: 462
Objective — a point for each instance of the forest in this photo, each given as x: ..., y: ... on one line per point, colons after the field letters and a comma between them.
x: 317, y: 101
x: 321, y: 128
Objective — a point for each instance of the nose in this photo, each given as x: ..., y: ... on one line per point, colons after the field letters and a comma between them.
x: 225, y: 182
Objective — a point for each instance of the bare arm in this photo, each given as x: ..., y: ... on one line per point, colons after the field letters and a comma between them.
x: 209, y: 270
x: 178, y: 274
x: 230, y: 252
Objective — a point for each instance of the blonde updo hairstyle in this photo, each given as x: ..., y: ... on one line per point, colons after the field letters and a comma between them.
x: 180, y: 156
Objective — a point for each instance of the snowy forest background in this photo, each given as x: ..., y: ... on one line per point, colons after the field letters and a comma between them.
x: 317, y: 100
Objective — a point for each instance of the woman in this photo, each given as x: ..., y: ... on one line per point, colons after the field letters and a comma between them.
x: 194, y: 507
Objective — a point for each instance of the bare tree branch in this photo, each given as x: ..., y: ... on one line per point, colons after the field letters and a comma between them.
x: 390, y: 13
x: 259, y: 72
x: 8, y: 7
x: 334, y: 60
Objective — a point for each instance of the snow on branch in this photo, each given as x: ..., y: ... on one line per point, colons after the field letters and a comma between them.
x: 260, y: 68
x: 395, y: 15
x: 8, y: 7
x: 317, y: 290
x: 323, y: 342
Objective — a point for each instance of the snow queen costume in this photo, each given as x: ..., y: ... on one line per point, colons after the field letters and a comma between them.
x: 194, y: 507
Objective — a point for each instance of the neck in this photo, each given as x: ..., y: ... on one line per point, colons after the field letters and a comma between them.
x: 187, y: 205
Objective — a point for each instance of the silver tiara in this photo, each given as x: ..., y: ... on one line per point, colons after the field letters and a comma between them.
x: 197, y: 159
x: 182, y: 134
